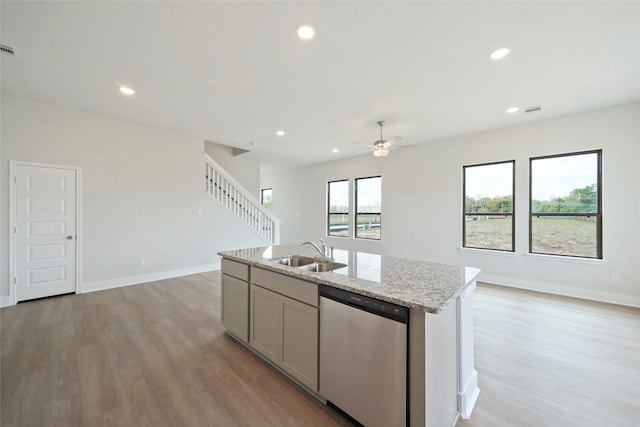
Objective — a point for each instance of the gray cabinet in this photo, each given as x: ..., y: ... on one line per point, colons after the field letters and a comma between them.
x: 299, y: 346
x: 284, y: 324
x: 235, y: 298
x: 265, y: 322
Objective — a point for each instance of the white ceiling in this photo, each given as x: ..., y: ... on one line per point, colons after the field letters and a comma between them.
x: 235, y: 72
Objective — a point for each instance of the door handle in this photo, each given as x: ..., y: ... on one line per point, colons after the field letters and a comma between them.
x: 69, y: 237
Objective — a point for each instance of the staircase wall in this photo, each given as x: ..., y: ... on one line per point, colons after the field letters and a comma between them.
x: 228, y: 193
x: 245, y: 171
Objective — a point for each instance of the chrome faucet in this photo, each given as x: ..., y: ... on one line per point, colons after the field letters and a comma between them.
x: 322, y: 251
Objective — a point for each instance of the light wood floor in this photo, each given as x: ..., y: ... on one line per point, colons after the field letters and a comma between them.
x: 155, y: 355
x: 546, y: 360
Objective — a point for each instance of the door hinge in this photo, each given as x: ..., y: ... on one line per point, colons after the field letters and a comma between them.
x: 15, y: 280
x: 14, y: 179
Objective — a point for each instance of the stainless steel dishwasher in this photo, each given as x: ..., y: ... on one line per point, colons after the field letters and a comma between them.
x: 363, y: 357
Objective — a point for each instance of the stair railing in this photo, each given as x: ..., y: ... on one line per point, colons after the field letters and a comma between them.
x: 233, y: 197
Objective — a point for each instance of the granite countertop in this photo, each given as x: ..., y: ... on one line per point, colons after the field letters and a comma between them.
x: 420, y: 285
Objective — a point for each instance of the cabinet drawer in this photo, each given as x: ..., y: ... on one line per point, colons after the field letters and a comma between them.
x: 285, y: 285
x: 235, y: 269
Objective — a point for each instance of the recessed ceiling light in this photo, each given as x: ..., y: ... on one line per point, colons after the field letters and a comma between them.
x: 335, y: 150
x: 305, y: 32
x: 127, y: 90
x: 280, y: 132
x: 500, y: 53
x: 513, y: 110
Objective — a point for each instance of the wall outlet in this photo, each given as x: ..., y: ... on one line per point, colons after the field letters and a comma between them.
x: 141, y: 262
x: 615, y: 278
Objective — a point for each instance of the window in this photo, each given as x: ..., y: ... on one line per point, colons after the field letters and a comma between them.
x: 368, y: 207
x: 265, y: 198
x: 488, y: 206
x: 565, y: 205
x: 338, y: 208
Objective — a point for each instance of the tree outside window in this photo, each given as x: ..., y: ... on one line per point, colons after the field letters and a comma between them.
x: 565, y: 205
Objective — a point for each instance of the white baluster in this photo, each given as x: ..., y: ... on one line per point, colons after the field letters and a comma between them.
x: 222, y: 188
x: 216, y: 184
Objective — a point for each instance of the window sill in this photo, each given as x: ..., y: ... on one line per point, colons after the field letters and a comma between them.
x: 569, y: 259
x: 488, y: 252
x: 354, y: 239
x: 555, y: 258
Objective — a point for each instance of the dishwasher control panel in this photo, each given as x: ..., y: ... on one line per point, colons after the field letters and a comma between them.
x: 372, y: 305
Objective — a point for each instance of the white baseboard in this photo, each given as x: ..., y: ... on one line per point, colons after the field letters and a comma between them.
x: 144, y: 278
x: 6, y: 301
x: 468, y: 396
x: 550, y: 288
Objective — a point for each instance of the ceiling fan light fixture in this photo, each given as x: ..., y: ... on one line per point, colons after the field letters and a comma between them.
x: 380, y: 152
x: 382, y: 146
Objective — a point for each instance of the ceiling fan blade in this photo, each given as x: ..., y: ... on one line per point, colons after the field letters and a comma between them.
x: 360, y: 143
x: 396, y: 147
x: 362, y: 151
x: 392, y: 141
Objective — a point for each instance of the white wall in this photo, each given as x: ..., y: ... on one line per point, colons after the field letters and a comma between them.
x: 244, y: 171
x: 422, y: 202
x: 142, y: 189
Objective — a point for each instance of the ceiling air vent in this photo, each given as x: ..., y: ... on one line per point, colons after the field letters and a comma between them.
x: 532, y: 109
x: 8, y: 50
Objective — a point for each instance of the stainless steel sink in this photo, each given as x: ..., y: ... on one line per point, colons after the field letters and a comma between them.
x: 294, y: 261
x: 323, y: 266
x: 309, y: 264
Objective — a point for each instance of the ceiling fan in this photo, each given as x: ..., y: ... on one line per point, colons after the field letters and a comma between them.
x: 382, y: 147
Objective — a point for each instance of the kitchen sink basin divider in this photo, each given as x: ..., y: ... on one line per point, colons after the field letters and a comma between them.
x: 233, y: 197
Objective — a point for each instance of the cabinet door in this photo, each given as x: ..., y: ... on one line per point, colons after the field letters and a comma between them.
x: 264, y: 319
x: 235, y: 306
x: 299, y: 347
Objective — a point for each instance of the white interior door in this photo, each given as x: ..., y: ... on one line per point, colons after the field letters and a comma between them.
x: 45, y: 231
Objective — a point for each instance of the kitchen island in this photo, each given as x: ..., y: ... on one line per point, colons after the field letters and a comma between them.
x: 272, y: 306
